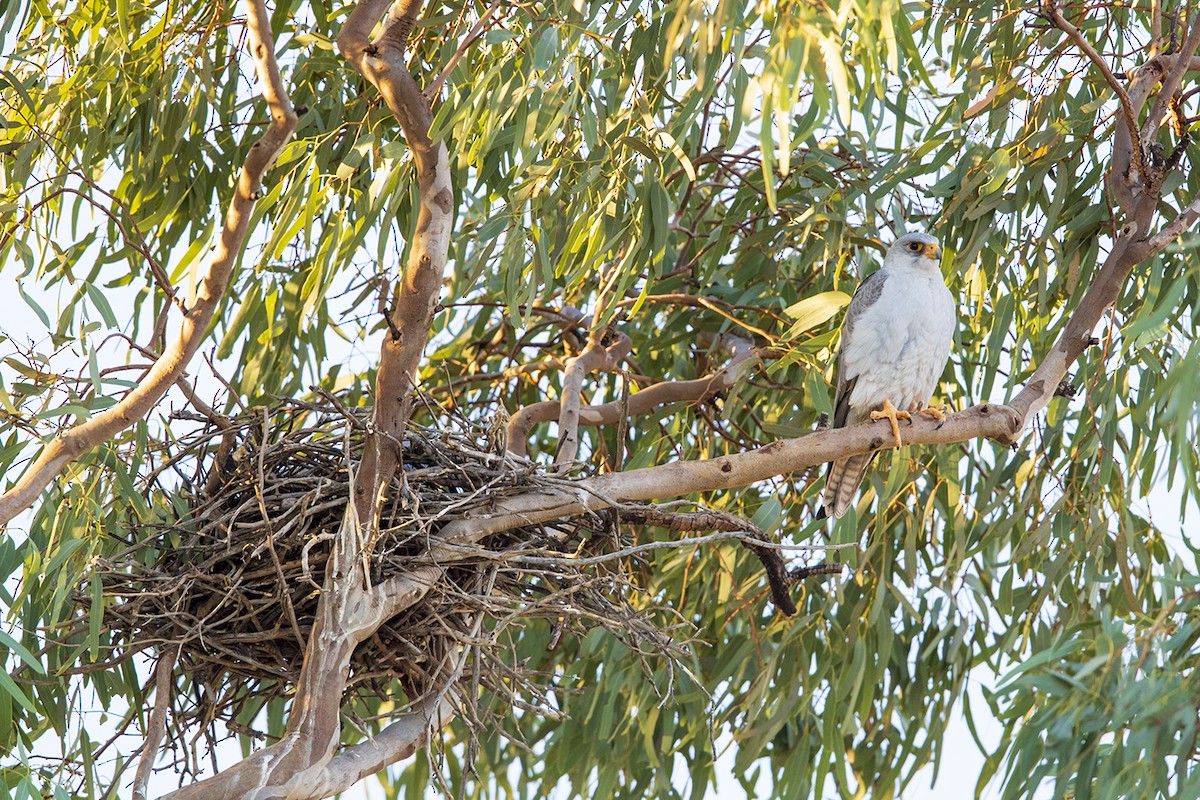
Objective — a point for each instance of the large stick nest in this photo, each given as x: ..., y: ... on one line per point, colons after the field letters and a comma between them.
x: 231, y: 575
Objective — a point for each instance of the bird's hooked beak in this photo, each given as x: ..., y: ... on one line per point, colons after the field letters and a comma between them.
x: 932, y: 251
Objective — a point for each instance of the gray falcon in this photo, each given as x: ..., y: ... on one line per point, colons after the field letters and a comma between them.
x: 895, y: 343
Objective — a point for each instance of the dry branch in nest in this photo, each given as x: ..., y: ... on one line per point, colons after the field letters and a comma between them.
x: 231, y: 576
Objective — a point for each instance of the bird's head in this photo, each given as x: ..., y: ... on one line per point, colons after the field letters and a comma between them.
x: 914, y: 250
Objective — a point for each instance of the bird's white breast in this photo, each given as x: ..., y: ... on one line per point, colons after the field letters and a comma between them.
x: 901, y: 342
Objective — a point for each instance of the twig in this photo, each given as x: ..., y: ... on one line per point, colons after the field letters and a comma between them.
x: 699, y: 301
x: 472, y: 36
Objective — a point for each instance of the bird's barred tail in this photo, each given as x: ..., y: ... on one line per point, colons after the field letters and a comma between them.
x: 843, y: 481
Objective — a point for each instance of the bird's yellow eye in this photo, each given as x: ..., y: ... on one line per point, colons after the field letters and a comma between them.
x: 916, y: 248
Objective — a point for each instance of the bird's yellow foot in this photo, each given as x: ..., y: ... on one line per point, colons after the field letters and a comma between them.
x: 891, y: 414
x: 938, y: 412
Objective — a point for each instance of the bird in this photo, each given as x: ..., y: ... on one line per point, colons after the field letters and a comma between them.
x: 895, y: 342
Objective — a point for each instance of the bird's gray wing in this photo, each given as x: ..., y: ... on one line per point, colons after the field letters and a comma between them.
x: 865, y: 296
x: 846, y: 475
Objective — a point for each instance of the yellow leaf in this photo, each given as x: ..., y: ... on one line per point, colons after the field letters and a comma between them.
x: 812, y: 311
x: 835, y: 66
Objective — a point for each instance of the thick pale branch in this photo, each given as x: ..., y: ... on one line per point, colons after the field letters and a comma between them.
x: 1176, y: 227
x: 157, y: 726
x: 726, y: 472
x: 1123, y: 181
x: 170, y: 366
x: 355, y: 34
x: 401, y: 19
x: 382, y: 62
x: 396, y: 742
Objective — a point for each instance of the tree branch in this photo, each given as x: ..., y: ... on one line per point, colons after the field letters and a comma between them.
x: 70, y: 444
x: 382, y: 62
x: 596, y: 357
x: 1124, y: 183
x: 157, y: 726
x: 399, y: 740
x: 1181, y: 62
x: 720, y: 307
x: 1129, y: 111
x: 680, y: 478
x: 350, y: 609
x: 643, y: 402
x: 472, y: 36
x: 1176, y: 227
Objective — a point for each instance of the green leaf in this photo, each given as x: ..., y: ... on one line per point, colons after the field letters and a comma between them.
x: 101, y: 303
x: 8, y: 641
x: 10, y: 688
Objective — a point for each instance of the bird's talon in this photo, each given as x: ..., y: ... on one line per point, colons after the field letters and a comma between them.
x: 892, y: 415
x: 937, y: 412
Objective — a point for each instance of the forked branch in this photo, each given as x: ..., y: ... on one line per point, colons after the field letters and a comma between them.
x: 743, y: 356
x: 604, y: 353
x: 306, y: 763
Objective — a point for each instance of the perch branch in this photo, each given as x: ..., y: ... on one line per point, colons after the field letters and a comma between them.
x: 1002, y: 423
x: 170, y: 366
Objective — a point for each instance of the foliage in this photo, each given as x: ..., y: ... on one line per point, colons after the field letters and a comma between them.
x: 620, y: 155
